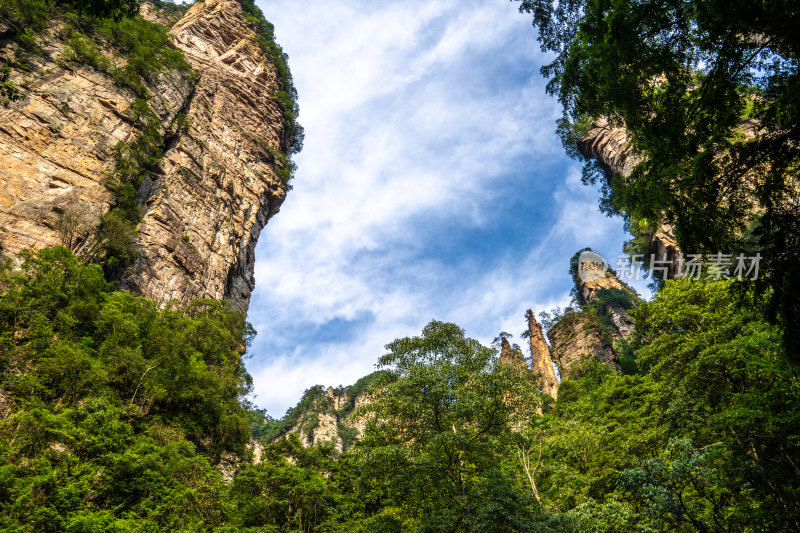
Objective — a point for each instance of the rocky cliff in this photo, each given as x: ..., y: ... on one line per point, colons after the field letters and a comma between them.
x: 610, y: 146
x: 541, y: 358
x: 216, y: 183
x: 577, y: 336
x: 511, y: 355
x: 326, y: 416
x: 593, y: 330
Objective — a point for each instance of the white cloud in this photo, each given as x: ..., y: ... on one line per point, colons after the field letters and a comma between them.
x: 429, y: 143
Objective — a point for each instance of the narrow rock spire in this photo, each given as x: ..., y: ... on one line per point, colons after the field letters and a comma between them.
x: 541, y: 360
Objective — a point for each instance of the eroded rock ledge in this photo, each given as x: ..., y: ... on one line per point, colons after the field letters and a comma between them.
x: 610, y: 146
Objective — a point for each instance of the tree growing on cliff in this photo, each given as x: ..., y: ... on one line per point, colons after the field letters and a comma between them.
x: 115, y: 9
x: 709, y: 91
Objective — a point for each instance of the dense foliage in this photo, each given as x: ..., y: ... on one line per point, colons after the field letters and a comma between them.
x: 709, y: 92
x: 119, y: 409
x: 118, y: 415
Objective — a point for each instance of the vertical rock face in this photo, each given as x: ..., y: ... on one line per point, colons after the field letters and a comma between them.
x: 594, y: 331
x: 588, y: 291
x: 56, y: 143
x: 329, y: 417
x: 609, y: 145
x: 511, y: 356
x: 217, y: 187
x: 576, y: 337
x: 541, y: 360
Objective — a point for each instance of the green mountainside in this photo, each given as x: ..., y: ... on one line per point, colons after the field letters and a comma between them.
x: 120, y: 413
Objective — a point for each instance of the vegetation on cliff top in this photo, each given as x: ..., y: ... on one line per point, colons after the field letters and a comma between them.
x: 141, y: 51
x: 305, y: 415
x: 287, y: 97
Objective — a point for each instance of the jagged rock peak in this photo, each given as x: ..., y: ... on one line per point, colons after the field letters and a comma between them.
x: 603, y: 287
x: 541, y: 360
x: 511, y: 356
x: 588, y: 288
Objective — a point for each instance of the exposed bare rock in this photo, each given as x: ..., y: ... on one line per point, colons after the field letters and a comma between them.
x: 577, y: 337
x: 610, y: 146
x: 6, y: 404
x: 511, y: 356
x: 587, y: 290
x: 541, y: 360
x: 56, y: 144
x: 150, y: 12
x: 330, y: 416
x: 663, y: 248
x: 218, y: 186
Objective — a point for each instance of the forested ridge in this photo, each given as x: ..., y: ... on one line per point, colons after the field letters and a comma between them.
x: 117, y: 414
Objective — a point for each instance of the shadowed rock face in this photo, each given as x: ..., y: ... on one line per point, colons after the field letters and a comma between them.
x: 609, y: 145
x: 576, y: 337
x: 216, y: 186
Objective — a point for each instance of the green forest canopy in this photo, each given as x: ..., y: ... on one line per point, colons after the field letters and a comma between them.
x: 123, y: 416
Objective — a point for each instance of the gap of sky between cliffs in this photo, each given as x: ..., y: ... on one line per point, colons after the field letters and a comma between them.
x: 432, y: 185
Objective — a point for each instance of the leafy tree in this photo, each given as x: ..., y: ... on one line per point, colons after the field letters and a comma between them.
x: 119, y: 409
x: 289, y: 489
x: 701, y: 438
x: 431, y: 455
x: 723, y: 382
x: 708, y: 91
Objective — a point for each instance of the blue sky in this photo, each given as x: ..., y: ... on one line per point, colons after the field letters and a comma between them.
x: 431, y: 185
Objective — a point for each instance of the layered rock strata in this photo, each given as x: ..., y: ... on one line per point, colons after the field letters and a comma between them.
x: 215, y: 187
x: 57, y: 141
x: 589, y: 291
